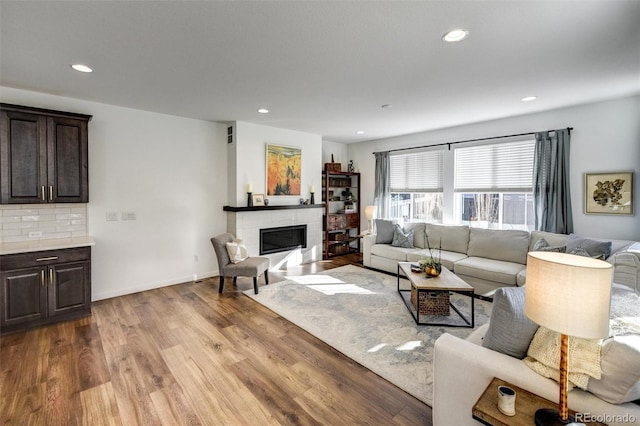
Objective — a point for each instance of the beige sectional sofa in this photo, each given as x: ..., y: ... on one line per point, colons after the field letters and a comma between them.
x: 487, y: 259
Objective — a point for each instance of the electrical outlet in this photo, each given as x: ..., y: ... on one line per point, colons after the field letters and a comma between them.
x: 128, y: 215
x: 195, y: 259
x: 35, y: 234
x: 112, y: 216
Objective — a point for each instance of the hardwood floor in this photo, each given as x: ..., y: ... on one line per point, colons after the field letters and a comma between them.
x: 186, y: 355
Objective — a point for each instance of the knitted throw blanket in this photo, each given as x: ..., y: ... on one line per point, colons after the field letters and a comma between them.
x: 543, y: 357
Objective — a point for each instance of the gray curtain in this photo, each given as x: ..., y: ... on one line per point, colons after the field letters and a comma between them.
x: 381, y: 193
x: 551, y: 192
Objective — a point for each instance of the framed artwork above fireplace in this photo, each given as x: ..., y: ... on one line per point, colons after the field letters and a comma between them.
x: 284, y: 170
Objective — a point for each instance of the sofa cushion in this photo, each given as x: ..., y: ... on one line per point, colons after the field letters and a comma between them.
x: 521, y: 278
x: 620, y: 353
x: 388, y: 251
x: 551, y: 238
x: 489, y: 269
x: 510, y: 330
x: 384, y: 231
x: 418, y: 233
x: 447, y: 258
x: 402, y: 239
x: 452, y: 238
x: 620, y: 363
x: 596, y: 248
x: 504, y: 244
x: 626, y: 270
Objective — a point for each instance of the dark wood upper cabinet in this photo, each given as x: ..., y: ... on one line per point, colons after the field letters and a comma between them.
x: 44, y: 156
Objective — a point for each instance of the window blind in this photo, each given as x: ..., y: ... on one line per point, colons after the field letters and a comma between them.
x: 500, y: 167
x: 416, y: 172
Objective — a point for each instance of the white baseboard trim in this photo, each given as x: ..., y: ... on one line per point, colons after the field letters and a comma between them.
x: 150, y: 286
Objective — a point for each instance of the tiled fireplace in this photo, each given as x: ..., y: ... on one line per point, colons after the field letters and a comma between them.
x: 246, y: 223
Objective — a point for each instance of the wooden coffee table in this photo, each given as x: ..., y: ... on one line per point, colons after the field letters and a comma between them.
x: 437, y: 288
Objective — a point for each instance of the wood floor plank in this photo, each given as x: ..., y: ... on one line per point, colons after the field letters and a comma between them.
x: 99, y: 406
x: 91, y: 363
x: 174, y: 408
x: 187, y: 355
x: 209, y: 403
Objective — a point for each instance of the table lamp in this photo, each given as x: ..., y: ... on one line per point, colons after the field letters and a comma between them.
x: 369, y: 214
x: 571, y: 295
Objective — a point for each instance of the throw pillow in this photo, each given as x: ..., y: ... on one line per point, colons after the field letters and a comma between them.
x: 579, y: 251
x: 384, y: 231
x: 543, y: 245
x: 237, y: 251
x: 510, y: 331
x: 620, y: 362
x: 418, y: 233
x: 400, y: 239
x: 596, y: 249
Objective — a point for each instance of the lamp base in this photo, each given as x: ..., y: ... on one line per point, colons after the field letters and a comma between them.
x: 551, y: 417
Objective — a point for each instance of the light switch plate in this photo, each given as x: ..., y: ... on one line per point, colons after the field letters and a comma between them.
x: 112, y: 216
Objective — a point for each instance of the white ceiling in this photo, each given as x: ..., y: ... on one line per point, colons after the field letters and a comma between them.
x: 326, y: 67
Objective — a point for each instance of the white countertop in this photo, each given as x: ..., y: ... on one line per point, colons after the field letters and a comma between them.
x: 41, y: 245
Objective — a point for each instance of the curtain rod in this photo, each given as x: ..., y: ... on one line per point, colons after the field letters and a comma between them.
x: 469, y: 140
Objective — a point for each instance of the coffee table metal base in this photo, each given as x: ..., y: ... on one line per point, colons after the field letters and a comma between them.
x: 405, y: 295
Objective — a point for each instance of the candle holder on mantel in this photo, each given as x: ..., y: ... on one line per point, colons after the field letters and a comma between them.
x: 313, y: 198
x: 249, y: 199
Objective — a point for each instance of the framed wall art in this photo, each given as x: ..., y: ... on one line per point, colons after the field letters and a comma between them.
x: 284, y: 170
x: 608, y: 193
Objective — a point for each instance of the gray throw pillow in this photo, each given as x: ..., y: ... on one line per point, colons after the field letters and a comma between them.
x: 384, y: 231
x: 510, y: 330
x: 596, y: 249
x: 579, y: 251
x: 543, y: 245
x: 400, y: 239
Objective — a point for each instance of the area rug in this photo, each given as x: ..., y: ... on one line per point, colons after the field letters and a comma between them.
x: 360, y: 313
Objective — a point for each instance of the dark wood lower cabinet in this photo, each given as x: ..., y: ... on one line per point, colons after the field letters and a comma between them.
x: 44, y: 287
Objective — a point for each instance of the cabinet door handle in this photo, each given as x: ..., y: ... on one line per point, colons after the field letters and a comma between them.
x: 43, y: 196
x: 50, y: 276
x: 42, y: 278
x: 50, y: 192
x: 44, y: 259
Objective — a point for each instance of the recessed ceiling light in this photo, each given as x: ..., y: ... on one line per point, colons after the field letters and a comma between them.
x: 529, y: 98
x: 263, y: 111
x: 81, y: 68
x: 360, y: 132
x: 455, y: 35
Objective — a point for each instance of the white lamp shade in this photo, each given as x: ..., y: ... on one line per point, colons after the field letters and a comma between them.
x: 569, y: 294
x: 370, y: 212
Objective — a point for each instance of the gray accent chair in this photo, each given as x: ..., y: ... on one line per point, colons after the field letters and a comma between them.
x: 250, y: 267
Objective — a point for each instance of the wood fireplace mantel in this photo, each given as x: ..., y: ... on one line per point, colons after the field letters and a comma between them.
x: 262, y: 208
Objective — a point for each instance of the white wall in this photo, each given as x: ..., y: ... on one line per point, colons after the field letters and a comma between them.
x: 606, y: 137
x: 250, y: 150
x: 340, y: 152
x: 170, y: 171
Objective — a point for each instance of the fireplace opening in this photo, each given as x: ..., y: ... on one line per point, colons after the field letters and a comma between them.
x: 284, y: 238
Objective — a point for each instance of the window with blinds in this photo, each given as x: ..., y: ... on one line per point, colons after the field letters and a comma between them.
x: 416, y: 172
x: 500, y: 167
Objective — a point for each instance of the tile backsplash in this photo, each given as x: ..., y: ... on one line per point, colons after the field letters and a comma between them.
x: 28, y: 222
